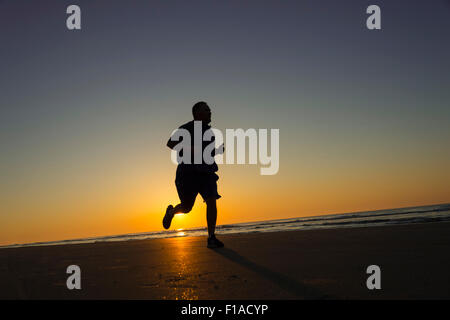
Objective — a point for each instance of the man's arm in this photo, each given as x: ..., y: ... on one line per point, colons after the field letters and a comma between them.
x: 171, y: 143
x: 174, y: 138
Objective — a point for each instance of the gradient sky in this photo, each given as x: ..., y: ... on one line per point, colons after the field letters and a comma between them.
x: 85, y: 115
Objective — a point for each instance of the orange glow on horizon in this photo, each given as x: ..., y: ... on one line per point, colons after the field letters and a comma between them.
x: 113, y: 207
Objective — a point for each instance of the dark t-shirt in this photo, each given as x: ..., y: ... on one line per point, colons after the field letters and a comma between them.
x: 200, y: 167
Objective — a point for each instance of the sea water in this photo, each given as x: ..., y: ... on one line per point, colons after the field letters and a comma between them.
x: 410, y: 215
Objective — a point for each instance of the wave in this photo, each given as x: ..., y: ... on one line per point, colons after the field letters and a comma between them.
x: 411, y: 215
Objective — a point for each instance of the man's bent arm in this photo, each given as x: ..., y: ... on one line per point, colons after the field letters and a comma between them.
x: 171, y: 143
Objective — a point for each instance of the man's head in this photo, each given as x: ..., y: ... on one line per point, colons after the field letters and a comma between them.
x: 201, y: 112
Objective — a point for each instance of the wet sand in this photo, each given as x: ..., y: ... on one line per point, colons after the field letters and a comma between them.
x: 313, y: 264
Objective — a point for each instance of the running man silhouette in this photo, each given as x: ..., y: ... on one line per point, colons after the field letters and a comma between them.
x: 196, y: 176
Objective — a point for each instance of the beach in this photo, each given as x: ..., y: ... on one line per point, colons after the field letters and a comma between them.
x: 309, y: 264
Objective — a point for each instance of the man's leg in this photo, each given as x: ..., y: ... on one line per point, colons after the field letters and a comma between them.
x: 208, y: 191
x: 187, y: 202
x: 211, y: 215
x: 180, y: 208
x: 187, y: 192
x: 171, y: 211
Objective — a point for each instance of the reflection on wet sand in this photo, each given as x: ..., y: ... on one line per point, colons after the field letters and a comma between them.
x: 180, y: 283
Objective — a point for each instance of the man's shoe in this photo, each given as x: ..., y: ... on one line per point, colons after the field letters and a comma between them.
x: 213, y: 242
x: 168, y: 217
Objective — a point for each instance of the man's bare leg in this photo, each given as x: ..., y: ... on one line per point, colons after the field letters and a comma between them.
x: 180, y: 209
x: 211, y: 216
x: 171, y: 211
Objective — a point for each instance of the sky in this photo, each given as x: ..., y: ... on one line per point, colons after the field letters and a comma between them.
x: 85, y: 114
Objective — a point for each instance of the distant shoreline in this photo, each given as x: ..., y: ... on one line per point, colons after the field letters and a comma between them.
x: 396, y: 216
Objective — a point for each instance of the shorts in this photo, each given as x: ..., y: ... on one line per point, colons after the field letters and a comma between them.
x: 190, y: 183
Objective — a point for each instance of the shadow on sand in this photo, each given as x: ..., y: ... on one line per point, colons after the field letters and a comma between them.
x: 291, y: 285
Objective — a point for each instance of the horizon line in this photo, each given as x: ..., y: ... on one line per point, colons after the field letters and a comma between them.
x: 59, y: 242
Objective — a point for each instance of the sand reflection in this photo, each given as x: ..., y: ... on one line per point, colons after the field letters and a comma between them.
x: 182, y: 283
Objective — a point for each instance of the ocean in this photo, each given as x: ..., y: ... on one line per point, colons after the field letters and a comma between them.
x: 410, y: 215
